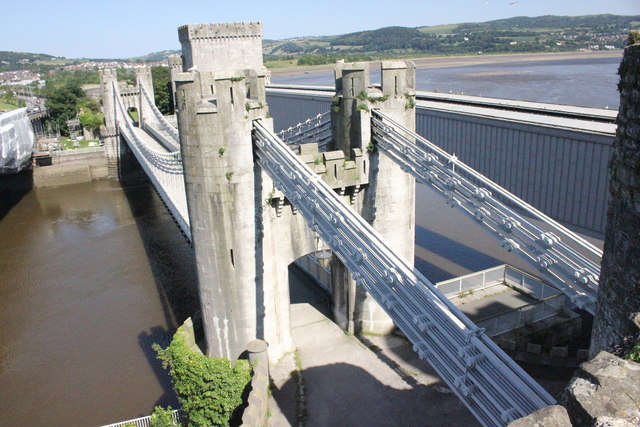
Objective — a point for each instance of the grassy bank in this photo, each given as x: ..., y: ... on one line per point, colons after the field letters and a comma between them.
x: 7, y: 107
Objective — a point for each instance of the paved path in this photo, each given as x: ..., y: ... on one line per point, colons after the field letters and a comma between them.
x: 372, y: 381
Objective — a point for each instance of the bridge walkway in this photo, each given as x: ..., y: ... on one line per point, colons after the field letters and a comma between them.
x: 366, y: 381
x: 149, y: 140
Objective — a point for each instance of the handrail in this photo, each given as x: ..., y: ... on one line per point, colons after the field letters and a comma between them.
x: 162, y: 121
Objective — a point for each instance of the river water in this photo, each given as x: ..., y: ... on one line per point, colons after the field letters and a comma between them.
x: 587, y: 82
x: 92, y: 274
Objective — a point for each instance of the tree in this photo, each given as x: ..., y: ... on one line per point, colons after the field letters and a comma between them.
x: 162, y: 89
x: 91, y: 120
x: 62, y: 105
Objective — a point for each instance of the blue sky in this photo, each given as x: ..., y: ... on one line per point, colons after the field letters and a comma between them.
x: 125, y: 28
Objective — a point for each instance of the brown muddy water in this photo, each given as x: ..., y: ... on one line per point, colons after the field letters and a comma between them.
x: 91, y: 275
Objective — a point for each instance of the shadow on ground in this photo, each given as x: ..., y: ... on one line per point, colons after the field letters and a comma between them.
x: 350, y: 388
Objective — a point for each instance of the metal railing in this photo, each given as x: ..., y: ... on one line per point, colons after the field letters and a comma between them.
x: 177, y: 417
x: 521, y: 316
x: 494, y: 388
x: 550, y: 301
x: 475, y: 281
x: 566, y: 268
x: 499, y: 275
x: 315, y: 129
x: 162, y: 121
x: 74, y: 151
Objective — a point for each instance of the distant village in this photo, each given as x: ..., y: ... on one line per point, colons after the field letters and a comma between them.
x: 26, y: 77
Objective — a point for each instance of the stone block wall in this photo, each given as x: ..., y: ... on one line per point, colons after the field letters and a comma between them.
x: 619, y: 294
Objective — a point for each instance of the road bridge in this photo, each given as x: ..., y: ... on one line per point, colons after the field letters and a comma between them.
x: 252, y: 202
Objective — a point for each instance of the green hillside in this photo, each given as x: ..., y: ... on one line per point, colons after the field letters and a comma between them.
x: 513, y: 35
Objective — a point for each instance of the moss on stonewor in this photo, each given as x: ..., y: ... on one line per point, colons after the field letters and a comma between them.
x: 208, y: 388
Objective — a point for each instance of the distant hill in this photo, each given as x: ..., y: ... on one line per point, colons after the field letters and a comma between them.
x: 155, y: 56
x: 10, y: 61
x: 15, y: 57
x: 512, y: 35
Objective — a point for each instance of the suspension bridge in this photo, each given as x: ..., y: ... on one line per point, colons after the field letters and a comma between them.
x: 492, y: 386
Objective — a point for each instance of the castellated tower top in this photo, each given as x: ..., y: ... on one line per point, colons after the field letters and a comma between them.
x: 222, y: 48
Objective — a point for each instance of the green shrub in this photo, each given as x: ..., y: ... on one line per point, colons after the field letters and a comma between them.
x: 633, y: 353
x: 209, y: 389
x: 161, y: 417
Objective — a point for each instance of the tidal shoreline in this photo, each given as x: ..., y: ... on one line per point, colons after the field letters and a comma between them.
x: 467, y: 60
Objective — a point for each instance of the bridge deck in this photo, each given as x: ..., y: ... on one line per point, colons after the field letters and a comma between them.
x: 149, y: 140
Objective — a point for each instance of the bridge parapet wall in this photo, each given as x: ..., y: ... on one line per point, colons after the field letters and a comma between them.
x: 345, y: 176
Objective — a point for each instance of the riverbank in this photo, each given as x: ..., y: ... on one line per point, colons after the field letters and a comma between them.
x: 71, y: 169
x: 460, y: 61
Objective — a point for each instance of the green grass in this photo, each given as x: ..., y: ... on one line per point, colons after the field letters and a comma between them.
x: 439, y: 29
x: 67, y: 144
x: 274, y: 65
x: 7, y: 107
x: 134, y: 115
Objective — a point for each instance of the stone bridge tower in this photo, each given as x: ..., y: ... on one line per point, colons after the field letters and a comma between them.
x: 120, y: 159
x: 245, y: 233
x: 243, y: 289
x: 111, y: 141
x: 388, y: 202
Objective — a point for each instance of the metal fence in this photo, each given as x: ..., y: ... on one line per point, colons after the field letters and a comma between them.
x: 521, y: 316
x: 177, y: 417
x: 75, y: 151
x: 550, y: 301
x: 531, y: 285
x: 475, y: 281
